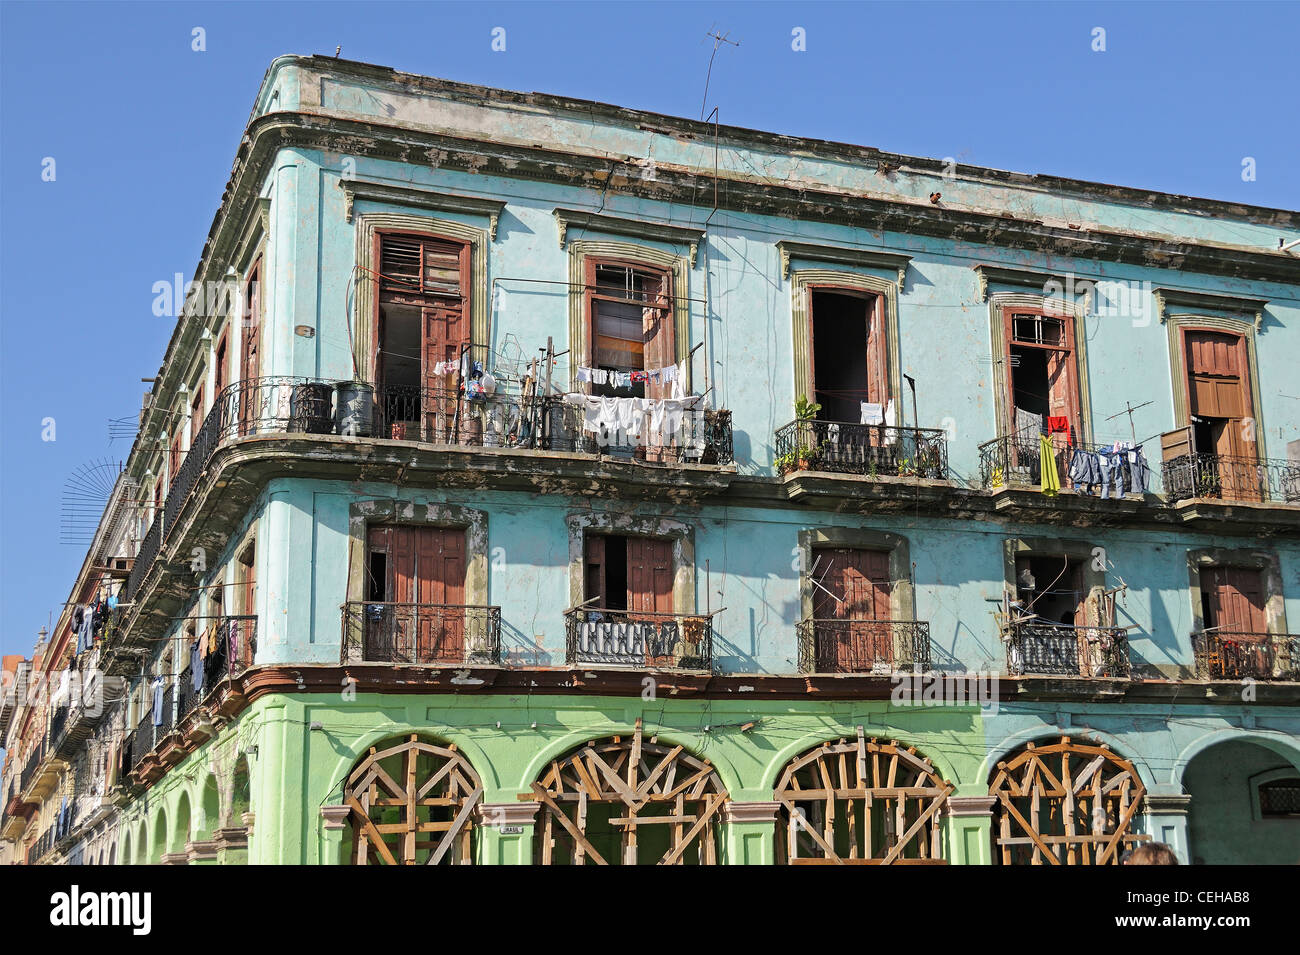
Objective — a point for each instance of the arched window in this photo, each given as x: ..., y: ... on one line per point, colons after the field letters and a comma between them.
x: 627, y: 802
x: 411, y: 804
x: 860, y: 802
x: 1066, y: 803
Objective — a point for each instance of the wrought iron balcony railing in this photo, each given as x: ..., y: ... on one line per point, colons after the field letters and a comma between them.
x: 34, y: 760
x: 702, y: 436
x: 862, y: 646
x: 421, y: 634
x: 870, y: 449
x: 1232, y: 479
x: 603, y: 637
x: 1038, y: 648
x: 1015, y: 460
x: 279, y: 405
x: 1222, y: 655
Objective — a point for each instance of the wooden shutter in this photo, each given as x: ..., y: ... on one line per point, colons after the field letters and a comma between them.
x: 594, y: 571
x: 1236, y: 597
x: 649, y: 575
x: 660, y: 337
x: 855, y: 586
x: 878, y: 355
x: 196, y: 416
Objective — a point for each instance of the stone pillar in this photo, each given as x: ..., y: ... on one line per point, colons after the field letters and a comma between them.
x: 201, y: 853
x: 1166, y: 818
x: 505, y: 832
x: 332, y: 833
x: 232, y: 845
x: 749, y: 833
x: 968, y: 829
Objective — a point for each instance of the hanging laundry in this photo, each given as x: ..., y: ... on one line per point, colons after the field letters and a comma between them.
x: 889, y: 413
x: 1050, y: 480
x: 873, y: 412
x: 1058, y: 424
x: 584, y: 374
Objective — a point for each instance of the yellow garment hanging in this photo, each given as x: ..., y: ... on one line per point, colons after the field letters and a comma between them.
x: 1051, y: 482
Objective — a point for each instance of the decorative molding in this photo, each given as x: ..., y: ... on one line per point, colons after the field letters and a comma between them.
x: 197, y: 851
x: 496, y: 815
x: 175, y: 858
x: 999, y: 351
x: 1031, y: 278
x: 677, y: 265
x: 1167, y: 804
x: 231, y: 837
x: 841, y: 255
x: 969, y: 805
x: 742, y: 812
x: 415, y: 197
x: 335, y: 817
x: 370, y: 224
x: 1202, y: 300
x: 801, y: 321
x: 633, y: 228
x: 1176, y: 323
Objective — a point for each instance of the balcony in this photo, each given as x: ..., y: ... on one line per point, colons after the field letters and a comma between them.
x: 1232, y: 479
x: 1036, y: 648
x: 1223, y: 655
x: 863, y: 646
x: 602, y: 637
x: 445, y: 417
x: 868, y: 449
x: 421, y: 634
x: 1013, y: 460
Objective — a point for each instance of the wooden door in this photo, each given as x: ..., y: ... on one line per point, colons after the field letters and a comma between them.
x: 1218, y: 392
x: 650, y: 593
x: 249, y: 360
x: 1237, y: 644
x: 854, y: 601
x: 423, y: 620
x: 444, y: 335
x: 196, y: 417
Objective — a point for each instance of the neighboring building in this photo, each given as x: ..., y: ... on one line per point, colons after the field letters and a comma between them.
x: 380, y: 610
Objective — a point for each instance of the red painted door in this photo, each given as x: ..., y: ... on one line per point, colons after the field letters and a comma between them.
x: 1218, y: 391
x: 1235, y: 616
x: 650, y: 593
x: 424, y: 593
x: 851, y: 598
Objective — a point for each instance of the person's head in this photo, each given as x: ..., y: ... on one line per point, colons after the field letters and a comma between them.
x: 1152, y: 853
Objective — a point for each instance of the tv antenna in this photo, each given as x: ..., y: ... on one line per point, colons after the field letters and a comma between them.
x: 718, y: 40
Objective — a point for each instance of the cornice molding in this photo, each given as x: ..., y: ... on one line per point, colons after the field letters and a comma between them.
x: 414, y: 197
x: 632, y: 228
x: 843, y: 255
x: 1166, y: 297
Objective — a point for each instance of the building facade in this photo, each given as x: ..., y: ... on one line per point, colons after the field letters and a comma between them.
x: 530, y: 480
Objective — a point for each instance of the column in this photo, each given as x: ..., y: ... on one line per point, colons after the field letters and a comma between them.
x: 1166, y: 818
x: 968, y: 829
x: 505, y: 832
x: 749, y: 832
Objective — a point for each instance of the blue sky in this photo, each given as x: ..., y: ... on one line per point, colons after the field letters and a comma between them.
x: 143, y: 131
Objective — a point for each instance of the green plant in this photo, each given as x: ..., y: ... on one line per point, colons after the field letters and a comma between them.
x: 804, y: 409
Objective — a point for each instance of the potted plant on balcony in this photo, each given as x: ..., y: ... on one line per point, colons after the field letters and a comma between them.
x: 801, y: 456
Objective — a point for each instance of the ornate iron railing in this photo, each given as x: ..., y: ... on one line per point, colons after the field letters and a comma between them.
x: 862, y: 646
x: 870, y: 449
x: 34, y: 760
x: 602, y: 637
x: 703, y: 436
x: 145, y: 555
x: 1232, y: 479
x: 1015, y: 460
x: 1223, y: 655
x: 142, y: 739
x: 421, y: 634
x: 1036, y: 648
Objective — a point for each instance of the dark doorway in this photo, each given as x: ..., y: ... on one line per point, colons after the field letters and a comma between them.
x: 848, y: 354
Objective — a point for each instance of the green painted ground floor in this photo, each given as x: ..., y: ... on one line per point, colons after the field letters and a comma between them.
x: 490, y: 778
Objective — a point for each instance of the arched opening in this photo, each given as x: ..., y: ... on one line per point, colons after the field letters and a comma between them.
x: 112, y: 855
x: 210, y: 805
x: 126, y: 849
x: 411, y: 803
x: 181, y: 831
x: 159, y: 845
x: 1245, y: 807
x: 628, y: 802
x: 860, y: 802
x: 241, y: 800
x: 142, y: 844
x: 1067, y: 803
